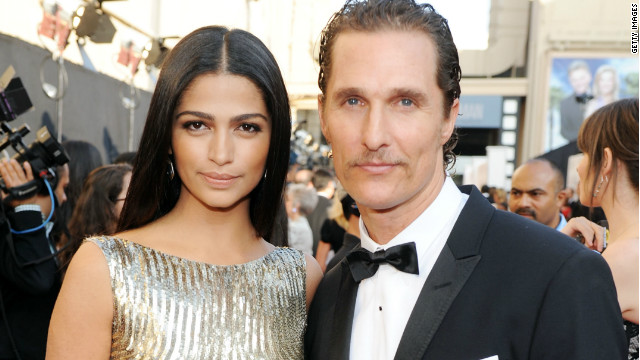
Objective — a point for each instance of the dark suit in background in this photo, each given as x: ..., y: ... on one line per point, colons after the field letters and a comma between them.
x: 571, y: 117
x: 317, y: 218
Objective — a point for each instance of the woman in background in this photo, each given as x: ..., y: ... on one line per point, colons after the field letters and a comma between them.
x: 97, y: 209
x: 605, y: 88
x: 608, y: 175
x: 299, y: 202
x: 83, y: 158
x: 191, y: 273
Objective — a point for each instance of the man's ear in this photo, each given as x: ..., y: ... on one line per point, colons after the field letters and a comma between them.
x: 561, y: 197
x: 323, y: 123
x: 450, y: 122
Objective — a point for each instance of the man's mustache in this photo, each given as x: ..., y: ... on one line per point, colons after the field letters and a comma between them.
x: 526, y: 211
x: 379, y: 157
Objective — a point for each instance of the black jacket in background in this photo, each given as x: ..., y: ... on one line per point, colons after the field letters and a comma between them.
x: 28, y: 291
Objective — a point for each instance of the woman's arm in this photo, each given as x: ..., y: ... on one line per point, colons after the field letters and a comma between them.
x: 321, y: 254
x: 81, y: 323
x: 622, y: 257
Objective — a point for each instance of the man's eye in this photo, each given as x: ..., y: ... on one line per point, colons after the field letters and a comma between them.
x: 352, y: 101
x: 406, y: 102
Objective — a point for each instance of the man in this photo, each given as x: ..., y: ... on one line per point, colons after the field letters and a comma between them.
x: 572, y: 108
x: 29, y: 276
x: 475, y: 282
x: 303, y: 176
x: 537, y: 193
x: 325, y: 186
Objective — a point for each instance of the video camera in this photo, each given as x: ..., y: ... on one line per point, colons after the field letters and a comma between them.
x: 44, y: 154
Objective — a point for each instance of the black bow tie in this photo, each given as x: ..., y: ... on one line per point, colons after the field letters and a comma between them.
x: 364, y: 264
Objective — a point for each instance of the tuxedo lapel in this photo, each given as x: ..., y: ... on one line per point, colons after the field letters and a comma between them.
x: 343, y: 314
x: 452, y: 269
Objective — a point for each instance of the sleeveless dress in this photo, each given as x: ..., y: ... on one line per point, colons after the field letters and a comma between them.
x: 631, y: 331
x: 167, y: 307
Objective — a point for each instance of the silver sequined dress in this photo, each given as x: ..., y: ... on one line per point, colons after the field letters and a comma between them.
x: 167, y: 307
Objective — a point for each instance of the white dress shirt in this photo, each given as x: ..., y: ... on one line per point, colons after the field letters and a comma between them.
x: 385, y: 301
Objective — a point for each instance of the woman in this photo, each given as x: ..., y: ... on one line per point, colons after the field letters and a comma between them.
x: 351, y: 237
x: 83, y: 158
x: 191, y: 272
x: 299, y: 202
x: 97, y: 209
x: 608, y: 175
x: 605, y: 88
x: 332, y: 230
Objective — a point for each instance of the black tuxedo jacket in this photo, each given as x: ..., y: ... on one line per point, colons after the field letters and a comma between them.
x: 502, y: 285
x: 571, y: 117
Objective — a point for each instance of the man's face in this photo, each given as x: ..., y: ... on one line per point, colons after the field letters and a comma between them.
x: 533, y: 194
x: 382, y: 114
x: 580, y: 80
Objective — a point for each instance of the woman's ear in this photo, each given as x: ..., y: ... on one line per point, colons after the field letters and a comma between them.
x: 607, y: 162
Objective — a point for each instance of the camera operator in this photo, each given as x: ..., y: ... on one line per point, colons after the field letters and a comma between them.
x: 29, y: 276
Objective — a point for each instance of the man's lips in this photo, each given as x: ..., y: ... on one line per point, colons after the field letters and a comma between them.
x: 376, y: 168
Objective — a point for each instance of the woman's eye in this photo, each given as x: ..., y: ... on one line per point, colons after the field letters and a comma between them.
x: 249, y: 128
x: 193, y: 125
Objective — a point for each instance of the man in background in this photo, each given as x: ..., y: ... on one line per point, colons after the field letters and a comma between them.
x: 325, y: 185
x: 572, y: 108
x: 537, y: 193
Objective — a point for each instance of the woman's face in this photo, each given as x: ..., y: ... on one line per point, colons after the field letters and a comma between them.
x: 220, y: 140
x: 606, y: 83
x: 126, y: 179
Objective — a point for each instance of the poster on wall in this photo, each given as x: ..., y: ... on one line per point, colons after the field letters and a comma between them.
x: 579, y: 85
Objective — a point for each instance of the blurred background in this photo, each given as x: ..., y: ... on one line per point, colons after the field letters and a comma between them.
x: 90, y: 67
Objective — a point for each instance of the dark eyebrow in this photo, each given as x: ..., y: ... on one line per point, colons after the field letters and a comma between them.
x: 199, y: 114
x: 420, y: 96
x: 396, y: 92
x: 528, y: 191
x: 206, y: 116
x: 346, y: 92
x: 536, y: 189
x: 243, y: 117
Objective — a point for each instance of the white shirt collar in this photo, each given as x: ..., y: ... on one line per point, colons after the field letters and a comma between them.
x: 425, y: 227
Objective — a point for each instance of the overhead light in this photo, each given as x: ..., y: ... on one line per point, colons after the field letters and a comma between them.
x: 90, y: 21
x: 154, y: 52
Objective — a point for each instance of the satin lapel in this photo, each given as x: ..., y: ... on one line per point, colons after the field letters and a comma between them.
x: 442, y: 286
x: 452, y: 269
x: 343, y: 315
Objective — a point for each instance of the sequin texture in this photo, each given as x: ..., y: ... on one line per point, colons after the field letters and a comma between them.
x: 167, y: 307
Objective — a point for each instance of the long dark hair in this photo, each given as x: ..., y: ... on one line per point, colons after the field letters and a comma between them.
x: 84, y: 157
x: 94, y: 213
x: 209, y: 50
x: 614, y: 126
